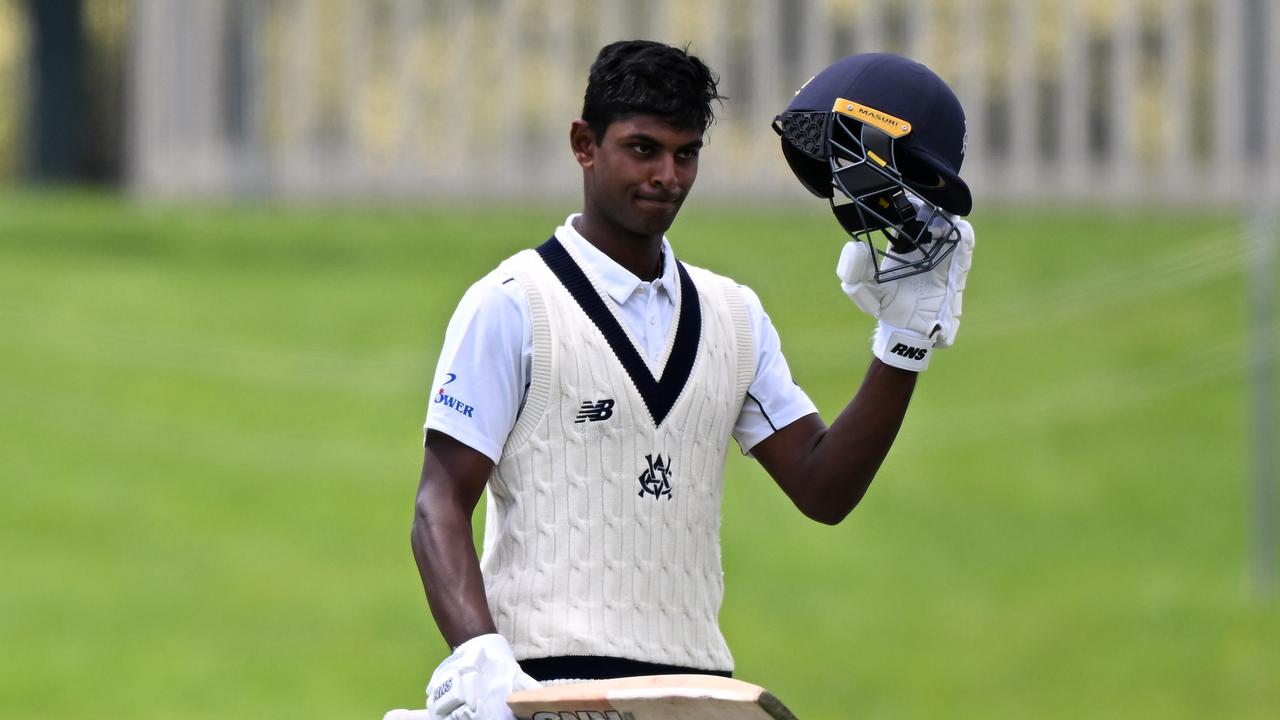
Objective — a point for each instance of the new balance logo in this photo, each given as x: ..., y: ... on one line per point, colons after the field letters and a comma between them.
x: 595, y: 411
x: 909, y: 352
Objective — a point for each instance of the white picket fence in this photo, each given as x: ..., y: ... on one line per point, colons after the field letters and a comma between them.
x: 1171, y: 101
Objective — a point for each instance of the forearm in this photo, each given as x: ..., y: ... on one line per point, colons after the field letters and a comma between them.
x: 844, y: 458
x: 450, y: 571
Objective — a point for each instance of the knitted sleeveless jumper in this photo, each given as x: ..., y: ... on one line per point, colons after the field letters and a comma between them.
x: 602, y: 535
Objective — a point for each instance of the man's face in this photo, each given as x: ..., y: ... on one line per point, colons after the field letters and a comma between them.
x: 638, y: 176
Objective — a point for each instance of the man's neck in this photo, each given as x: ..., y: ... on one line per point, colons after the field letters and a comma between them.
x: 640, y: 255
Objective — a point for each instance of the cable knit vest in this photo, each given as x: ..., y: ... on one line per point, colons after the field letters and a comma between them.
x: 602, y: 535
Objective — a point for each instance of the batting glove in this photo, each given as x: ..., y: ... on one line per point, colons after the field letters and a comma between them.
x: 473, y: 683
x: 916, y: 313
x: 403, y: 714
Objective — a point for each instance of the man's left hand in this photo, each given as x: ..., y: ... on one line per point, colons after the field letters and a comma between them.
x: 916, y: 313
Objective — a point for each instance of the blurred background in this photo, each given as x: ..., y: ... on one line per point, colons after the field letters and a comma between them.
x: 233, y: 231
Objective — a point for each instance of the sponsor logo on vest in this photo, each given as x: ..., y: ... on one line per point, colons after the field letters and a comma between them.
x: 656, y: 479
x: 584, y: 715
x: 909, y: 352
x: 449, y: 401
x: 440, y: 691
x: 595, y: 411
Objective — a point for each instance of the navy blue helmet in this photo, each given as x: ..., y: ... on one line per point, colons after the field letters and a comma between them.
x: 889, y: 135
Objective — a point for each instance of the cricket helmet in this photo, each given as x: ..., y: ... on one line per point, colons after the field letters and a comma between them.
x: 889, y: 135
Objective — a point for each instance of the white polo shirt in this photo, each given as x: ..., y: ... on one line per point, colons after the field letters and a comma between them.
x: 484, y: 368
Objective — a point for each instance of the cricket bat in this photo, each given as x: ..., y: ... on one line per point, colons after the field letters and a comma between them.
x: 653, y: 697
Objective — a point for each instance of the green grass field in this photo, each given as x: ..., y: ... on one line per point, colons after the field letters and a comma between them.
x: 210, y: 439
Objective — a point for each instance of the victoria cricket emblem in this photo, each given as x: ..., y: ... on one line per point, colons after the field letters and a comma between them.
x: 656, y: 479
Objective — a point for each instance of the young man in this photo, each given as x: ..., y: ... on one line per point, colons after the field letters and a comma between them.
x: 592, y: 386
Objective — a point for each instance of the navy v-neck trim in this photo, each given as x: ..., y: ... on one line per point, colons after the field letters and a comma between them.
x: 659, y: 394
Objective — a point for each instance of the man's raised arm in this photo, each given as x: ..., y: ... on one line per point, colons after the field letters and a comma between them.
x: 826, y: 471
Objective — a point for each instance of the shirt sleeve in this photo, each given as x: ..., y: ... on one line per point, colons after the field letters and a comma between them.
x: 481, y: 374
x: 774, y: 400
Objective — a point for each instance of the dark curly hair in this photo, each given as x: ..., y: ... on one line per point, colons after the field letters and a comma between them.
x: 642, y: 77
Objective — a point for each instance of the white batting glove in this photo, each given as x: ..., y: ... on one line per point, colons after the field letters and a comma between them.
x: 916, y: 313
x: 473, y: 683
x: 407, y: 715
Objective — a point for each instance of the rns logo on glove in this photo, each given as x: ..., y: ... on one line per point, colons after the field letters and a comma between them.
x: 909, y: 352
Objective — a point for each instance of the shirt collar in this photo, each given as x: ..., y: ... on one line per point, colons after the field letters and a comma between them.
x: 616, y: 280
